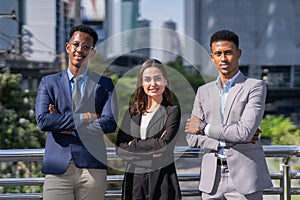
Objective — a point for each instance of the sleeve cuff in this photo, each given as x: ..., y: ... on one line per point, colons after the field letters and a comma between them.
x: 206, y: 130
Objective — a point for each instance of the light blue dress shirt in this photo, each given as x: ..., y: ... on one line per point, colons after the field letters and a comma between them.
x: 223, y: 93
x: 80, y: 83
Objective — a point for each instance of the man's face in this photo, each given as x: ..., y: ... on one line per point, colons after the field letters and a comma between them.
x: 79, y: 48
x: 225, y: 56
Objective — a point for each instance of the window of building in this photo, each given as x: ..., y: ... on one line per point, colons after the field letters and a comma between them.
x: 277, y: 76
x: 297, y: 76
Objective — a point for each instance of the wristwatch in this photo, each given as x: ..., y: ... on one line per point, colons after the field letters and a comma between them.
x: 201, y: 127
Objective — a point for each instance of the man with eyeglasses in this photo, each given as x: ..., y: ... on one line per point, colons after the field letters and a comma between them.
x: 76, y: 107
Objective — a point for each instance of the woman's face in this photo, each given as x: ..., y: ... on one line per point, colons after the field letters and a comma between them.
x: 153, y: 82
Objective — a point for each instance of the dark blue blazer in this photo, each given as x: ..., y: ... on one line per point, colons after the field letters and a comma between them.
x: 86, y: 148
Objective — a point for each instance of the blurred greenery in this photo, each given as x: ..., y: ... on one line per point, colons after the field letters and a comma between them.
x: 18, y: 129
x: 96, y: 64
x: 280, y: 130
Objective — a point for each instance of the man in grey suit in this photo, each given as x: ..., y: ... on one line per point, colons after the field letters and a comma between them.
x: 224, y: 122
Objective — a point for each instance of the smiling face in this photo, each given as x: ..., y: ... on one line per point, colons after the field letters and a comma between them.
x: 225, y: 55
x: 79, y: 49
x: 154, y: 83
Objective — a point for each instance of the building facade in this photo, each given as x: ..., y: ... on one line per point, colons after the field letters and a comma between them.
x: 38, y: 35
x: 36, y: 38
x: 121, y: 17
x: 143, y: 38
x: 269, y: 34
x: 171, y: 42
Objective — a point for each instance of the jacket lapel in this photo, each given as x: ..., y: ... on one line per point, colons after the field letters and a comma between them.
x: 232, y: 94
x: 214, y: 92
x: 135, y: 125
x: 158, y: 118
x: 65, y: 88
x: 91, y: 83
x: 89, y: 88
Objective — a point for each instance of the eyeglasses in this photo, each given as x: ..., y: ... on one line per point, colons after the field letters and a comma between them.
x: 84, y: 47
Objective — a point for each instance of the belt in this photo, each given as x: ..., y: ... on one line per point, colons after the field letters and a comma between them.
x: 222, y: 162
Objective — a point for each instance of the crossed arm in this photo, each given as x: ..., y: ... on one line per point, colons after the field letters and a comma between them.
x: 87, y: 117
x: 130, y: 146
x: 193, y: 123
x: 243, y: 121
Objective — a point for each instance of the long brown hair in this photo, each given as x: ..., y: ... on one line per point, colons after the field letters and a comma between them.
x: 139, y: 101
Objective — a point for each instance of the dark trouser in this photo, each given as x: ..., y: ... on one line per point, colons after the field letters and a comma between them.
x: 140, y: 186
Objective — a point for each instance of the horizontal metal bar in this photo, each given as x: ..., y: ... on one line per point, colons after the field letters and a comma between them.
x: 21, y: 181
x: 180, y: 151
x: 190, y: 192
x: 8, y: 155
x: 117, y: 193
x: 295, y: 191
x: 13, y: 155
x: 188, y: 177
x: 281, y: 150
x: 273, y: 190
x: 26, y: 196
x: 119, y: 178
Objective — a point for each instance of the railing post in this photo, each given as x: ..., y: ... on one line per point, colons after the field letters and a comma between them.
x: 285, y: 183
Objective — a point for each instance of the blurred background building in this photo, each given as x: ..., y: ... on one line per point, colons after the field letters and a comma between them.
x: 143, y: 37
x: 33, y: 34
x: 171, y: 42
x: 122, y: 15
x: 38, y: 34
x: 269, y: 34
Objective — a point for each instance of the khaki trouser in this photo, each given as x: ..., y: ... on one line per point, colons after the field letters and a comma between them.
x: 76, y: 184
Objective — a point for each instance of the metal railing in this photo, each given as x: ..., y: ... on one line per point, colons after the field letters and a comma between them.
x: 284, y: 175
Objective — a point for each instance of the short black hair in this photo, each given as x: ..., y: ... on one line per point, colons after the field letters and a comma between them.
x: 85, y: 29
x: 226, y: 35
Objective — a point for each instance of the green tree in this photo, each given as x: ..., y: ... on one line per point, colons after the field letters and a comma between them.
x: 195, y: 79
x: 18, y: 128
x: 280, y: 130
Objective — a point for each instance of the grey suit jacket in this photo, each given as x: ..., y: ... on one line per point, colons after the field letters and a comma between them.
x: 243, y: 112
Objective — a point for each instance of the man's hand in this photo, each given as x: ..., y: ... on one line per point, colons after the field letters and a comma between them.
x: 192, y: 124
x: 90, y: 117
x: 255, y: 136
x: 66, y: 132
x: 52, y: 108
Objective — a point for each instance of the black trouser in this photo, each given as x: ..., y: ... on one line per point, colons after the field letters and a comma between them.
x: 140, y: 186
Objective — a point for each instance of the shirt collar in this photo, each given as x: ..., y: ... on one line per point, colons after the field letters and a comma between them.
x: 228, y: 83
x: 83, y: 75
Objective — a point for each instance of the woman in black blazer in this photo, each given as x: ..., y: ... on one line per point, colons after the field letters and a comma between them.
x: 147, y: 137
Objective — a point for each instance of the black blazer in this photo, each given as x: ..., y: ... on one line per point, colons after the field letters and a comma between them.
x: 154, y: 154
